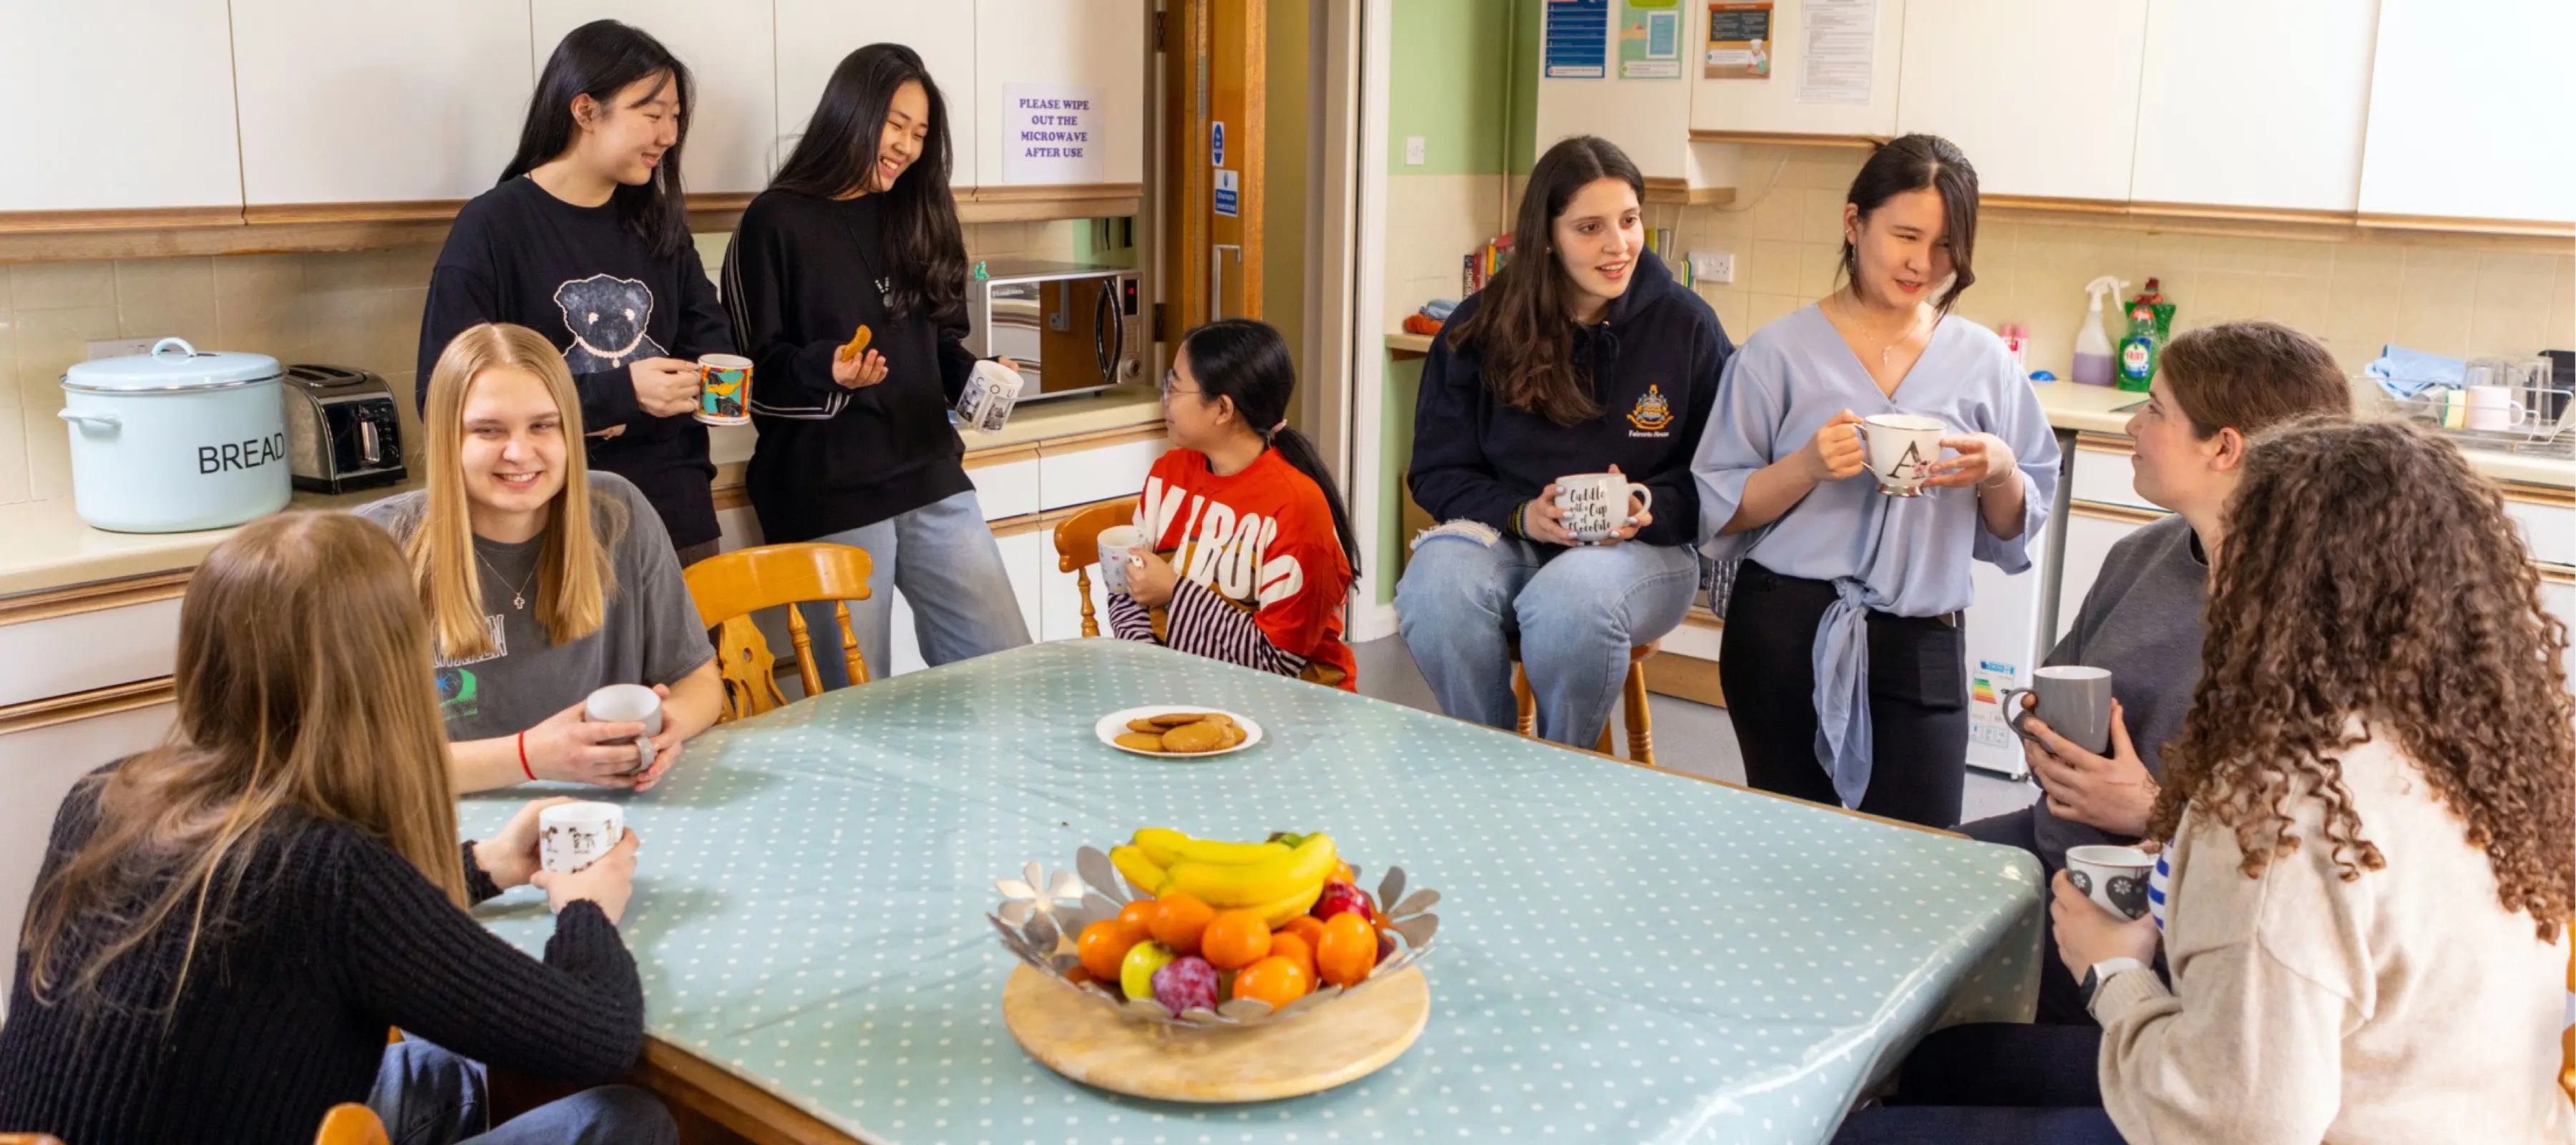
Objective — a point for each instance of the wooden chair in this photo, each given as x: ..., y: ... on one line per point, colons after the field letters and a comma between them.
x: 729, y: 587
x: 350, y: 1123
x: 1077, y: 548
x: 29, y: 1139
x: 1641, y: 719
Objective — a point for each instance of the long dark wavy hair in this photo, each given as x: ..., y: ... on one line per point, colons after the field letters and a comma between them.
x: 2316, y: 618
x: 1248, y: 361
x: 1520, y: 331
x: 924, y: 245
x: 1914, y: 163
x: 599, y: 59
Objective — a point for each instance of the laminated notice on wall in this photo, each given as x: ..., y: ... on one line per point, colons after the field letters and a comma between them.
x: 1841, y: 51
x: 1576, y: 39
x: 1051, y: 133
x: 1650, y: 40
x: 1739, y: 41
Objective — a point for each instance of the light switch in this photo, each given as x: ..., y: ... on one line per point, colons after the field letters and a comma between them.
x: 1713, y: 268
x: 1413, y: 151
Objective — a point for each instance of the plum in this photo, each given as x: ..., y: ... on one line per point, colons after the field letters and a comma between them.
x: 1341, y: 898
x: 1186, y: 984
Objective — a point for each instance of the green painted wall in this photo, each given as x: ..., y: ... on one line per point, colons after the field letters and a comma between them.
x: 1448, y: 83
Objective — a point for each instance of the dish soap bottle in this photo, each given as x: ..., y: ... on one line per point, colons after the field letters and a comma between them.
x: 2092, y: 348
x: 2139, y: 347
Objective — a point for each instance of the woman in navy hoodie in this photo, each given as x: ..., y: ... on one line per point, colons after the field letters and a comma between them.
x: 1582, y: 356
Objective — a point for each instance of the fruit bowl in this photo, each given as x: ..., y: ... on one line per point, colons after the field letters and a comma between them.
x: 1040, y: 919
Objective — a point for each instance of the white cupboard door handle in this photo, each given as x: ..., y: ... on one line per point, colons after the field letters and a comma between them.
x: 106, y: 421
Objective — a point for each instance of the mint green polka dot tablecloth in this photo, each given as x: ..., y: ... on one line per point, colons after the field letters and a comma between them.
x: 1624, y: 955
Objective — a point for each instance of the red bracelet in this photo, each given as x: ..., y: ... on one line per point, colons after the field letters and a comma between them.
x: 523, y: 756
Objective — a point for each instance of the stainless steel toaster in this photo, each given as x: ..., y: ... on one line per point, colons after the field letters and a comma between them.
x: 343, y: 431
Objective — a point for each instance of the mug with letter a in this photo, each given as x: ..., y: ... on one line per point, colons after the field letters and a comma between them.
x: 1901, y: 449
x: 1595, y: 505
x: 724, y: 389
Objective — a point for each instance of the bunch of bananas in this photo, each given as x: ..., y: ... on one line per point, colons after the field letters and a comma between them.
x: 1278, y: 878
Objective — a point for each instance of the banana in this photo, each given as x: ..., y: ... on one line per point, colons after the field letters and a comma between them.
x: 1274, y: 914
x: 1138, y: 868
x: 1260, y: 884
x: 1167, y: 847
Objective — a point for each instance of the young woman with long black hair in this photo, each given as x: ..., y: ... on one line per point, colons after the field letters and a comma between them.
x: 1583, y: 355
x: 859, y: 230
x: 1248, y: 553
x: 586, y: 240
x: 1844, y: 661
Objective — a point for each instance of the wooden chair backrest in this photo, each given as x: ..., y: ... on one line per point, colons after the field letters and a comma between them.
x: 729, y: 587
x: 1077, y: 548
x: 29, y: 1139
x: 350, y: 1123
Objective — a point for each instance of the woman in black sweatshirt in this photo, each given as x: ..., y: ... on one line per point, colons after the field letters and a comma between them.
x: 586, y: 240
x: 1582, y: 356
x: 226, y: 925
x: 858, y: 231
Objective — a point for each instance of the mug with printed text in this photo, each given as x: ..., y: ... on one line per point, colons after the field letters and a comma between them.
x: 1594, y: 506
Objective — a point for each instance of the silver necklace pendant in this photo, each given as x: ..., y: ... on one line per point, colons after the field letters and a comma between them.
x: 518, y: 603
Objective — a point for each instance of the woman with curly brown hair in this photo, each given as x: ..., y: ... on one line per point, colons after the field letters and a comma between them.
x: 2371, y: 806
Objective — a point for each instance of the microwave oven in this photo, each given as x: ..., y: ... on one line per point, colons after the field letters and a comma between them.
x: 1073, y: 329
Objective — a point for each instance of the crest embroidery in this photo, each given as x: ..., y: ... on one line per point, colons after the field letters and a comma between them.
x: 1652, y: 413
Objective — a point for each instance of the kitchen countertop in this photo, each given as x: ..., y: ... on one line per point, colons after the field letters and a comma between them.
x: 50, y: 547
x: 2098, y: 409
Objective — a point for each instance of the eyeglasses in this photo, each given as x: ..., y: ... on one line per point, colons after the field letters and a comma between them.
x: 1171, y: 380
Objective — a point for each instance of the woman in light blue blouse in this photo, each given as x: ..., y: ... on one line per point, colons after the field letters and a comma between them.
x: 1844, y: 657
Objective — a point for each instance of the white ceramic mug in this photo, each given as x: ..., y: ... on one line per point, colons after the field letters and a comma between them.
x: 2115, y: 878
x: 1901, y: 449
x: 1114, y: 543
x: 2492, y: 408
x: 571, y: 836
x: 1593, y: 506
x: 625, y: 704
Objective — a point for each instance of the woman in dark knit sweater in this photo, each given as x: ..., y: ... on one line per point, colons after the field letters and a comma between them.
x: 859, y: 231
x: 226, y: 925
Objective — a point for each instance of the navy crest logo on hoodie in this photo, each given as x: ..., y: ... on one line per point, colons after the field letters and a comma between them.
x: 1652, y: 413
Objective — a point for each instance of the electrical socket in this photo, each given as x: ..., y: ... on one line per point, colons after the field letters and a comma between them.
x: 1713, y: 268
x: 1413, y: 151
x: 120, y: 348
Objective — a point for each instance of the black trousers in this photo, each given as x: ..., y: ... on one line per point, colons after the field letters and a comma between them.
x: 1918, y: 699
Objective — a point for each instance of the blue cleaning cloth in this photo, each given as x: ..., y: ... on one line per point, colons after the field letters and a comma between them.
x: 2404, y: 373
x: 1438, y: 309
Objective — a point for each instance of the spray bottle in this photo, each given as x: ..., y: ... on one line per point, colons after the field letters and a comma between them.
x: 2092, y: 347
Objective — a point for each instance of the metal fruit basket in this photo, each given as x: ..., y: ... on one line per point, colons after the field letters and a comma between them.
x: 1040, y: 917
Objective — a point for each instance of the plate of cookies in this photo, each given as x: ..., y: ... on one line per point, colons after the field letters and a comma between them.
x: 1173, y: 731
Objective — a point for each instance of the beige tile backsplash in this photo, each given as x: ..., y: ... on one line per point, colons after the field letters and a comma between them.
x: 354, y: 308
x: 2445, y: 298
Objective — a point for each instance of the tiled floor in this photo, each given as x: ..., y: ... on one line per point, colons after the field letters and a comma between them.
x: 1387, y: 672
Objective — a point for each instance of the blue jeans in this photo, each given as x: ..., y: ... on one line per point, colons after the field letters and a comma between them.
x: 430, y: 1096
x: 1576, y: 611
x: 943, y: 558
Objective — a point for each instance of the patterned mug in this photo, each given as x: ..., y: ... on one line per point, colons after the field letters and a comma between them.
x: 724, y: 389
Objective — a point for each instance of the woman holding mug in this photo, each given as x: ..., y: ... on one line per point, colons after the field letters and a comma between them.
x: 1844, y: 657
x: 226, y: 924
x: 1583, y: 356
x: 543, y: 583
x: 587, y: 239
x: 859, y: 233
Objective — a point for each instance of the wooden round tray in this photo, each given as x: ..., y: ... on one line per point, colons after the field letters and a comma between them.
x: 1096, y: 1045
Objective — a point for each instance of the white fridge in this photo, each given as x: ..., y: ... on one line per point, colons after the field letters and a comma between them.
x: 2011, y: 627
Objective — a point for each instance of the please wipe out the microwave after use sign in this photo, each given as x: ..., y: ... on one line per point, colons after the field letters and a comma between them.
x: 1051, y: 133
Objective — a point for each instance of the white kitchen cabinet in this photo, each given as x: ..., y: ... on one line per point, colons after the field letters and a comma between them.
x: 732, y: 54
x: 2558, y: 595
x: 1648, y: 119
x: 1082, y: 476
x: 2042, y: 95
x: 362, y: 101
x: 2469, y: 111
x: 1007, y: 489
x: 2090, y: 532
x: 2106, y: 475
x: 815, y: 35
x: 1772, y: 106
x: 1091, y: 43
x: 2548, y: 527
x: 116, y: 106
x: 37, y: 766
x: 79, y: 651
x: 2258, y: 105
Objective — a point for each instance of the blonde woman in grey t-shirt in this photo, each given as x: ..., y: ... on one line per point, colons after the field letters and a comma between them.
x: 542, y: 581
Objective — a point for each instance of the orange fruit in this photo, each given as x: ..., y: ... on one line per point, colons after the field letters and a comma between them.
x: 1286, y: 944
x: 1275, y: 980
x: 1305, y: 926
x: 1234, y: 939
x: 1348, y: 952
x: 1104, y: 945
x: 1140, y: 914
x: 1178, y: 921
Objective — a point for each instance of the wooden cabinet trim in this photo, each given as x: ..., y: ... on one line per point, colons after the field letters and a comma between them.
x: 1101, y: 439
x: 2092, y: 442
x: 91, y: 704
x: 1673, y: 189
x: 2107, y: 512
x: 1001, y: 455
x: 2529, y: 494
x: 2555, y: 574
x: 94, y: 597
x: 1786, y: 137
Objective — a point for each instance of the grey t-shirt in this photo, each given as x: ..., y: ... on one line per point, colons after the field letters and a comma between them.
x: 650, y: 634
x: 2142, y: 620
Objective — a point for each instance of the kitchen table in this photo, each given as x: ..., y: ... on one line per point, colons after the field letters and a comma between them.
x: 1625, y: 954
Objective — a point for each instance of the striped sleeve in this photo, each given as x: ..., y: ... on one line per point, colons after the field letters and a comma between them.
x: 1201, y: 622
x: 1128, y: 620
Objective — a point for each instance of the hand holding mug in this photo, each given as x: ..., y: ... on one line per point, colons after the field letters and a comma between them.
x: 1542, y: 520
x: 2088, y: 935
x: 2114, y: 793
x: 608, y: 881
x: 666, y: 743
x: 509, y: 857
x: 860, y: 372
x: 665, y: 387
x: 1585, y: 512
x: 1979, y: 459
x: 570, y: 746
x: 1834, y: 452
x: 1150, y: 578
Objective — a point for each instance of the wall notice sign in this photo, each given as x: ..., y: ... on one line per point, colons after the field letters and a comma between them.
x: 1216, y: 143
x: 1577, y: 39
x: 1050, y: 133
x: 1739, y: 41
x: 1650, y: 39
x: 1841, y: 51
x: 1229, y: 192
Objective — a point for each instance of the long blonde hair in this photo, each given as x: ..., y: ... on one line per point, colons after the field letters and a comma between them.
x: 304, y: 688
x: 575, y: 576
